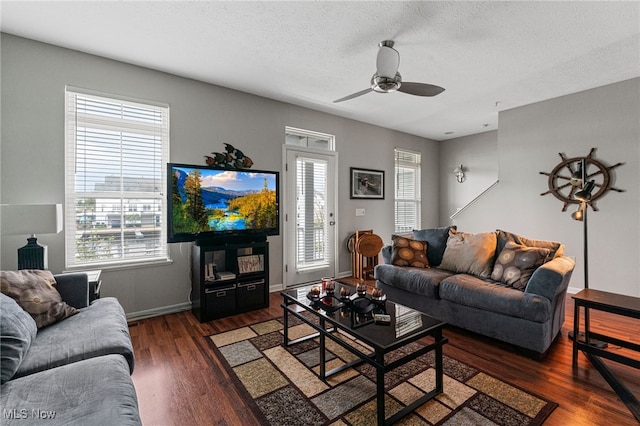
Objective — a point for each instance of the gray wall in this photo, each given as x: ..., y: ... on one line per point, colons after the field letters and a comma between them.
x: 203, y: 116
x: 529, y: 140
x: 478, y: 155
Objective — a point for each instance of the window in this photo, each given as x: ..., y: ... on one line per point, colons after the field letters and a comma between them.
x: 309, y: 139
x: 312, y: 245
x: 407, y: 191
x: 115, y: 178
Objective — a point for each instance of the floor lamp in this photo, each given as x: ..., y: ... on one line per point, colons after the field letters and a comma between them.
x: 574, y: 188
x: 584, y: 196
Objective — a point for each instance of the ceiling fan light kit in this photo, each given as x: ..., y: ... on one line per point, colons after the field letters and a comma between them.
x: 382, y: 84
x: 387, y: 79
x: 388, y: 59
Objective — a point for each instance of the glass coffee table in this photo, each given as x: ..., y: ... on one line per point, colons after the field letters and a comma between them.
x: 381, y: 324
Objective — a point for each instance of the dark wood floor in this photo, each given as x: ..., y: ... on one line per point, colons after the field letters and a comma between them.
x: 179, y: 380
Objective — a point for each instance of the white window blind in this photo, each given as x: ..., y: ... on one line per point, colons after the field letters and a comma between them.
x: 115, y: 180
x: 312, y: 235
x: 407, y: 191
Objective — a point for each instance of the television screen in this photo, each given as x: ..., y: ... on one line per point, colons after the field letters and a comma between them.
x: 209, y: 202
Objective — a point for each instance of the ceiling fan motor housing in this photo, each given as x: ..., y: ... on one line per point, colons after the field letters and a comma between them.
x: 382, y: 84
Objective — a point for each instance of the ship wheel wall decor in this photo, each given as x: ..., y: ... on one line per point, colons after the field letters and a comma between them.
x: 566, y: 179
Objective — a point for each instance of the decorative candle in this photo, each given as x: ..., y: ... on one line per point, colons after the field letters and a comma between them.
x: 330, y: 286
x: 345, y: 291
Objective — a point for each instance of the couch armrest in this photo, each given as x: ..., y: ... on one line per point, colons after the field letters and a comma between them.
x: 73, y: 288
x: 552, y: 278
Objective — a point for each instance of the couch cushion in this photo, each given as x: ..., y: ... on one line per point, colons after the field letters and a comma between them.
x: 436, y: 239
x: 35, y: 292
x: 99, y: 329
x: 17, y: 331
x: 408, y: 252
x: 97, y: 391
x: 515, y: 264
x: 421, y: 281
x: 557, y: 249
x: 470, y: 253
x: 471, y: 291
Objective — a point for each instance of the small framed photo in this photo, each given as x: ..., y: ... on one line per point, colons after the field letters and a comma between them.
x: 367, y: 184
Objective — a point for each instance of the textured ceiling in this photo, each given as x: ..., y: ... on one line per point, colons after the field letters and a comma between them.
x: 489, y: 56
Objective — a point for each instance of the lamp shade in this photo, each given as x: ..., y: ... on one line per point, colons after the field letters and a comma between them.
x: 585, y: 193
x: 23, y: 219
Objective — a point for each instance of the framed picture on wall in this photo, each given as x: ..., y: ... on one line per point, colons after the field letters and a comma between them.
x: 367, y: 184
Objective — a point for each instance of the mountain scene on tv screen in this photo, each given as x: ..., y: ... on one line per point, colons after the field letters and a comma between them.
x: 215, y: 200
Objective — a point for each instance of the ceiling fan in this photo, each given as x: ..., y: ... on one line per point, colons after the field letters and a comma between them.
x: 388, y: 79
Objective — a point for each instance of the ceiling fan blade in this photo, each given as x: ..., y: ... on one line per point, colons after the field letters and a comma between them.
x: 353, y: 95
x: 420, y: 89
x: 388, y: 61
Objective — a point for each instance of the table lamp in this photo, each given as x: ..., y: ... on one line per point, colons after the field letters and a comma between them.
x: 31, y: 219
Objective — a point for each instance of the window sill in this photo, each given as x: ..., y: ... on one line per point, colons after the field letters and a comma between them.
x: 120, y: 266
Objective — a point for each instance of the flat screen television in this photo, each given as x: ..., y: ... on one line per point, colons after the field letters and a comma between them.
x: 210, y: 202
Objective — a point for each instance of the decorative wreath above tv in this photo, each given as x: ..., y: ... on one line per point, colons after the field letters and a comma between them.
x: 214, y: 202
x: 231, y: 158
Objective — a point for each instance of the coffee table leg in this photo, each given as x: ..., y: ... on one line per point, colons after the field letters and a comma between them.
x: 380, y: 387
x: 285, y: 321
x: 439, y: 369
x: 322, y: 349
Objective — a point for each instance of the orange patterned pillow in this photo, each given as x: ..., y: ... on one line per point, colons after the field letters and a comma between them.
x: 408, y: 252
x: 35, y: 292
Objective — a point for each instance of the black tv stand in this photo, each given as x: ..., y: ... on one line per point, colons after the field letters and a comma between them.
x: 239, y: 238
x: 229, y: 275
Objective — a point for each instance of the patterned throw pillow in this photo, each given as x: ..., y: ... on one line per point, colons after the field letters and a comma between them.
x: 35, y: 292
x: 556, y: 248
x: 516, y: 263
x: 408, y: 252
x: 470, y: 253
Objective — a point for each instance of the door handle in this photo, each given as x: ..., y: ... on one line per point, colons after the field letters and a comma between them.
x: 332, y: 223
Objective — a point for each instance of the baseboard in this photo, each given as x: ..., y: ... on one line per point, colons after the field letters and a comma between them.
x: 163, y: 310
x: 344, y: 274
x: 273, y: 288
x: 280, y: 286
x: 573, y: 290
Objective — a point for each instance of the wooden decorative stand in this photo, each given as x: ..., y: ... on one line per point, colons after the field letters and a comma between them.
x: 364, y: 247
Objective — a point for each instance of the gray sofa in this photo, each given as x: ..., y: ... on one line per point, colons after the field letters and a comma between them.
x: 529, y: 317
x: 76, y: 371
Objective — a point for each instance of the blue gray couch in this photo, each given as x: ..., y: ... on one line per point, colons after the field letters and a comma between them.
x: 530, y: 317
x: 76, y: 371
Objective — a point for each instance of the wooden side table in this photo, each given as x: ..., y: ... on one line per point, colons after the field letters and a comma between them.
x: 618, y: 304
x: 95, y: 282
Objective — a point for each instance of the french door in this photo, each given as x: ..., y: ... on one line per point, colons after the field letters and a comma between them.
x: 310, y: 215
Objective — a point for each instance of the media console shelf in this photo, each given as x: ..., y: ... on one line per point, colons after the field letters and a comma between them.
x: 229, y: 277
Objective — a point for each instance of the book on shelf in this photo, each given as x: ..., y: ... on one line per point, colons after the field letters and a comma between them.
x: 250, y: 263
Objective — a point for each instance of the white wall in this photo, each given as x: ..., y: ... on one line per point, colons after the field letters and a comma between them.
x: 203, y: 116
x: 529, y: 141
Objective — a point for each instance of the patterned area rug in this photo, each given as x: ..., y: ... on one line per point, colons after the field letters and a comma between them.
x: 283, y: 388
